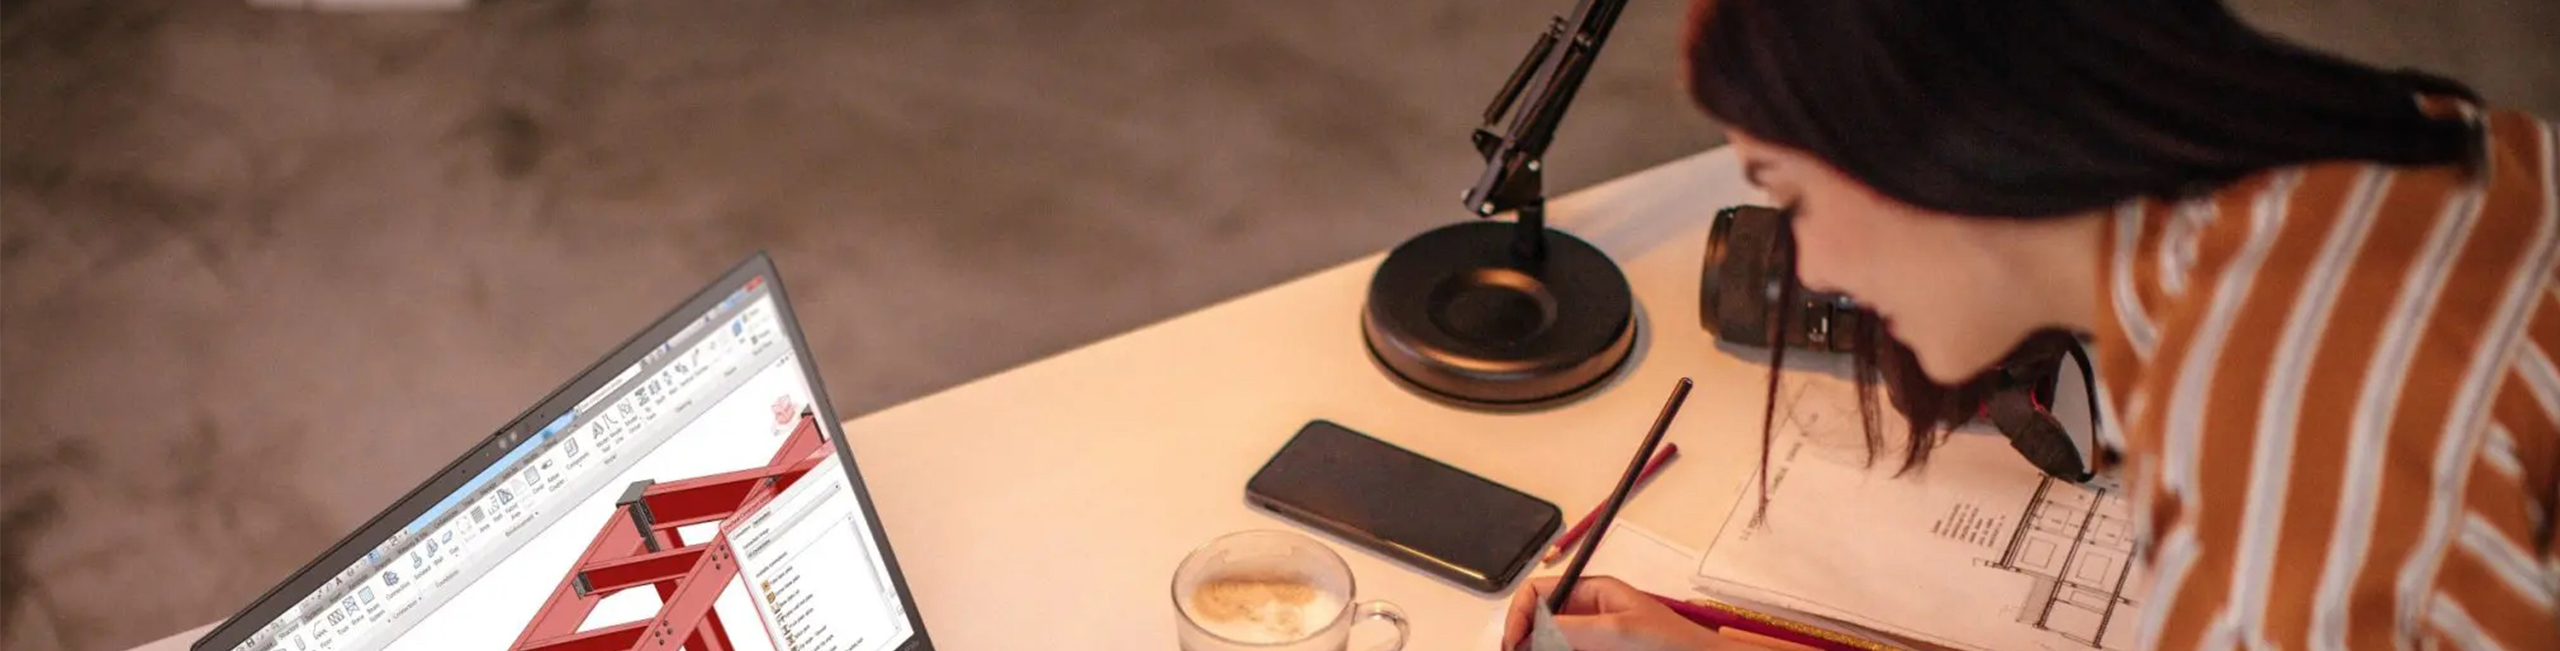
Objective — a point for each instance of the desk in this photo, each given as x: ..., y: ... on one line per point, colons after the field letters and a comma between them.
x: 1046, y: 506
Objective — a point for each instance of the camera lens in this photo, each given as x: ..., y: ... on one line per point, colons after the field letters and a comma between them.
x: 1740, y: 284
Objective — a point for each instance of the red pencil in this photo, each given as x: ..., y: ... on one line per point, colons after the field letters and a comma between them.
x: 1574, y: 535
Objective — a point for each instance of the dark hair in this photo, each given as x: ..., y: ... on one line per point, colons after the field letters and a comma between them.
x: 2030, y: 108
x: 1929, y: 409
x: 2037, y: 108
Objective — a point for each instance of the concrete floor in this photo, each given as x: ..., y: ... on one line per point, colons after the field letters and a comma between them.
x: 261, y: 272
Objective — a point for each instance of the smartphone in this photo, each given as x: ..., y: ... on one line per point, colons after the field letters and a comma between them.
x: 1425, y: 513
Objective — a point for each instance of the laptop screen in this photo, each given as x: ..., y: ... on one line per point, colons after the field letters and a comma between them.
x: 697, y: 493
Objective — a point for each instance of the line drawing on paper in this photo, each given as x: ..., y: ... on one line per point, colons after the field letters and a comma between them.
x: 2038, y: 562
x: 2076, y: 543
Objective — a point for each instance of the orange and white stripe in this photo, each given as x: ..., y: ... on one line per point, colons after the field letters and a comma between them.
x: 2340, y: 405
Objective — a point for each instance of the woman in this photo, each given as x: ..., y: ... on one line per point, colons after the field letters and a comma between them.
x: 2322, y: 294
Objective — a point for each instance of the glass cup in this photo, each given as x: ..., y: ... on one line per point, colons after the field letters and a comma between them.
x: 1272, y: 591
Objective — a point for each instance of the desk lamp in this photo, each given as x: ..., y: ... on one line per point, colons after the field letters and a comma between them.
x: 1495, y: 316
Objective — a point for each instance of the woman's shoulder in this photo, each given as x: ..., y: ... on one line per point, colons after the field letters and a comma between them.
x: 2517, y: 150
x: 2360, y: 228
x: 2515, y: 154
x: 2359, y: 240
x: 2508, y: 190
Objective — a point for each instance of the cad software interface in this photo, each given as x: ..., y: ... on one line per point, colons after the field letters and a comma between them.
x: 695, y: 500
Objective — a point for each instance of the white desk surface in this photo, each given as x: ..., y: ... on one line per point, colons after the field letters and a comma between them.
x: 1046, y: 506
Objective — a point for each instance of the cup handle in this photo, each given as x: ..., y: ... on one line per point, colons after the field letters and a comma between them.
x: 1393, y: 615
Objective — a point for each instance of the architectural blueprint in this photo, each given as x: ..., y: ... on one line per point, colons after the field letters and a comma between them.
x: 1978, y: 550
x: 2078, y: 545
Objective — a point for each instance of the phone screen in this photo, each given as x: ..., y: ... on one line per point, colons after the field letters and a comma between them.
x: 1441, y: 519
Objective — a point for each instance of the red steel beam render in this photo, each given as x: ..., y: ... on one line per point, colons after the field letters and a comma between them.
x: 568, y: 607
x: 714, y: 498
x: 610, y: 638
x: 615, y: 575
x: 803, y: 440
x: 711, y: 497
x: 714, y: 636
x: 688, y: 578
x: 685, y: 610
x: 702, y: 499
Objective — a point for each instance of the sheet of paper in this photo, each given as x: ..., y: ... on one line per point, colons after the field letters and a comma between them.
x: 1975, y: 551
x: 1641, y: 558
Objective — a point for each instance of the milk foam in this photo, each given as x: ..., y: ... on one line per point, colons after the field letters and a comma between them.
x: 1263, y: 610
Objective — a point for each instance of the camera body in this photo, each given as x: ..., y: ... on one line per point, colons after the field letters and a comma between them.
x: 1739, y: 287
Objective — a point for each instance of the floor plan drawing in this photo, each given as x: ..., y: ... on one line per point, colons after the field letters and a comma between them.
x: 2076, y: 542
x: 1977, y: 551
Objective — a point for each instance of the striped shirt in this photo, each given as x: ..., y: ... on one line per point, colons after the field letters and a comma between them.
x: 2337, y: 393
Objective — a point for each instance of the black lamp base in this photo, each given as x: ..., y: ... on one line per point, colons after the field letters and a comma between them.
x: 1457, y: 314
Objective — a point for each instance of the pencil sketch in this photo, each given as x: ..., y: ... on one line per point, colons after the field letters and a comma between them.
x: 2013, y: 559
x: 2077, y: 544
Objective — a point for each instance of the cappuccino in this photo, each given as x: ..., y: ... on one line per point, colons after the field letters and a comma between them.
x: 1263, y: 610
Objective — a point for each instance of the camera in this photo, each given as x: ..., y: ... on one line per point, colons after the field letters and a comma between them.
x: 1740, y: 285
x: 1747, y: 283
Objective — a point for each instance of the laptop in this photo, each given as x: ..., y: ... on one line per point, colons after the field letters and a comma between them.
x: 690, y: 491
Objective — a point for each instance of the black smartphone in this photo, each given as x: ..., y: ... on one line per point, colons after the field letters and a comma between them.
x: 1428, y: 514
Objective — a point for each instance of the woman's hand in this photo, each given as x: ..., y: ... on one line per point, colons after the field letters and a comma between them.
x: 1606, y: 614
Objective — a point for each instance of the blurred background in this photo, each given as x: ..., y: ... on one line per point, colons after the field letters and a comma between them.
x: 261, y: 271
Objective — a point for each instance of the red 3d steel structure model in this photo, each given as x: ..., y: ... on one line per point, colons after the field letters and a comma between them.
x: 639, y: 546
